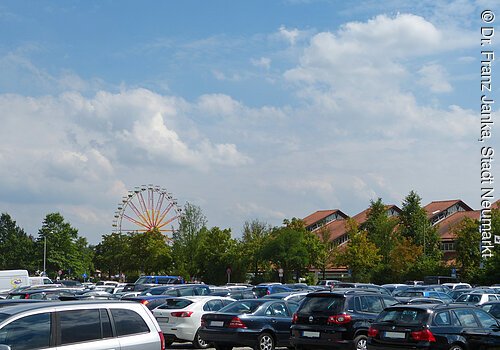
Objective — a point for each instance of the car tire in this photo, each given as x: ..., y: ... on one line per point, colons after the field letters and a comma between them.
x: 199, y: 343
x: 456, y: 347
x: 265, y: 341
x: 168, y: 342
x: 360, y: 342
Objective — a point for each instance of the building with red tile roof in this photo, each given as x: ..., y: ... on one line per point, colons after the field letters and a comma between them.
x: 438, y: 210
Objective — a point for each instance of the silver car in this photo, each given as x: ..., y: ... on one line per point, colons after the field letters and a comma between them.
x: 79, y: 325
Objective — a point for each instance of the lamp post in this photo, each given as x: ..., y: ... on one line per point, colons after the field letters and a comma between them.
x: 44, y: 254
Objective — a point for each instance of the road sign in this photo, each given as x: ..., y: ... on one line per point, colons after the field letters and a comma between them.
x: 280, y: 272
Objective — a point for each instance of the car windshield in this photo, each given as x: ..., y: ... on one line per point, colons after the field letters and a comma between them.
x: 473, y: 298
x: 322, y: 304
x: 242, y: 307
x: 175, y: 304
x: 406, y: 316
x: 260, y: 291
x: 410, y: 294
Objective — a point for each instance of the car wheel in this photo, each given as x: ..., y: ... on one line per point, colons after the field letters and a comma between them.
x: 168, y: 342
x: 360, y: 342
x: 265, y: 341
x: 199, y: 343
x: 456, y: 347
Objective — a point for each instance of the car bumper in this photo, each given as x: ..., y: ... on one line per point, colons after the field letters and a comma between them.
x: 313, y: 339
x: 242, y: 337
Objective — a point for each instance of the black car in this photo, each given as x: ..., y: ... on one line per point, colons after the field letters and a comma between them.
x: 493, y: 307
x: 178, y: 290
x: 434, y: 327
x: 336, y: 320
x: 260, y: 323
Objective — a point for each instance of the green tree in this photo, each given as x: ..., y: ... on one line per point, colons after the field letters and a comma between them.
x: 185, y: 240
x: 467, y: 243
x: 255, y: 235
x: 113, y: 254
x: 491, y: 272
x: 287, y: 249
x: 380, y: 229
x: 61, y: 252
x: 214, y: 254
x: 17, y: 249
x: 327, y: 252
x: 150, y: 252
x: 413, y: 224
x: 360, y: 255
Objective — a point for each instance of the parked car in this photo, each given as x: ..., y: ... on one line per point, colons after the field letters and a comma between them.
x: 328, y: 283
x: 454, y: 286
x: 145, y: 282
x: 396, y: 287
x: 150, y: 301
x: 477, y: 298
x: 425, y: 301
x: 368, y: 286
x: 180, y: 318
x: 257, y: 323
x: 408, y: 294
x: 493, y: 307
x: 336, y: 320
x: 434, y: 327
x: 42, y: 294
x: 237, y: 294
x: 265, y: 289
x: 89, y: 325
x: 296, y: 297
x: 454, y: 294
x: 178, y: 290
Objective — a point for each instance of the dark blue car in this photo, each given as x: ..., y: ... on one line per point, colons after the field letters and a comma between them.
x: 265, y: 289
x: 261, y: 324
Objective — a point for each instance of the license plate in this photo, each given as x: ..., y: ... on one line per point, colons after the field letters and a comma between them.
x: 217, y: 323
x: 163, y: 319
x: 310, y: 334
x: 395, y: 335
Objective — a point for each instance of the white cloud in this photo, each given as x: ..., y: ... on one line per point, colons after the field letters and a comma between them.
x: 264, y: 62
x: 434, y: 77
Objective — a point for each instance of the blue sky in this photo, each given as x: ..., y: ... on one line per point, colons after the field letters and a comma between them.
x: 249, y: 109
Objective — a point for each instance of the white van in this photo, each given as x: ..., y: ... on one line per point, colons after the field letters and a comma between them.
x: 38, y: 281
x: 10, y: 279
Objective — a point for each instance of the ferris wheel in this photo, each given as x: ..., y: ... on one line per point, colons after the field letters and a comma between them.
x: 147, y: 208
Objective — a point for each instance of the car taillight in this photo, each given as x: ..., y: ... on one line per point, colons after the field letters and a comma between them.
x: 372, y: 332
x: 26, y: 296
x: 268, y: 292
x: 144, y: 302
x: 236, y: 323
x: 339, y: 319
x: 182, y: 313
x: 295, y: 318
x: 424, y: 335
x: 162, y: 341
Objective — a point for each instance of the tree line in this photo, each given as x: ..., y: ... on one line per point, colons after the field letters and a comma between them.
x: 383, y: 249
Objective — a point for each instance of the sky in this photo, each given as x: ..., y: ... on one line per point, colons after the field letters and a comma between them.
x: 250, y: 110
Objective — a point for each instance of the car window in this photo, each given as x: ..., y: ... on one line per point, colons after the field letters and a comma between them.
x: 128, y: 322
x: 492, y: 298
x: 201, y: 291
x: 175, y: 304
x: 485, y: 318
x: 184, y: 292
x: 27, y: 333
x: 371, y: 304
x: 322, y: 304
x: 408, y: 316
x: 173, y: 292
x: 389, y: 301
x: 243, y: 307
x: 442, y: 319
x: 277, y: 310
x: 466, y: 318
x: 213, y: 305
x: 79, y: 326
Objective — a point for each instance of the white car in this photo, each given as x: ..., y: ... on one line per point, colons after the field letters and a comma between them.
x: 180, y: 317
x: 477, y: 298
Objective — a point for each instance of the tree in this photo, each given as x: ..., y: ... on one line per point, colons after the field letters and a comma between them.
x: 467, y: 243
x: 327, y: 251
x: 491, y: 272
x: 113, y: 253
x: 60, y: 242
x: 380, y: 229
x: 255, y: 235
x: 213, y: 255
x: 185, y: 240
x: 413, y: 224
x: 150, y: 252
x: 287, y: 249
x: 360, y: 255
x: 17, y: 249
x: 402, y: 257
